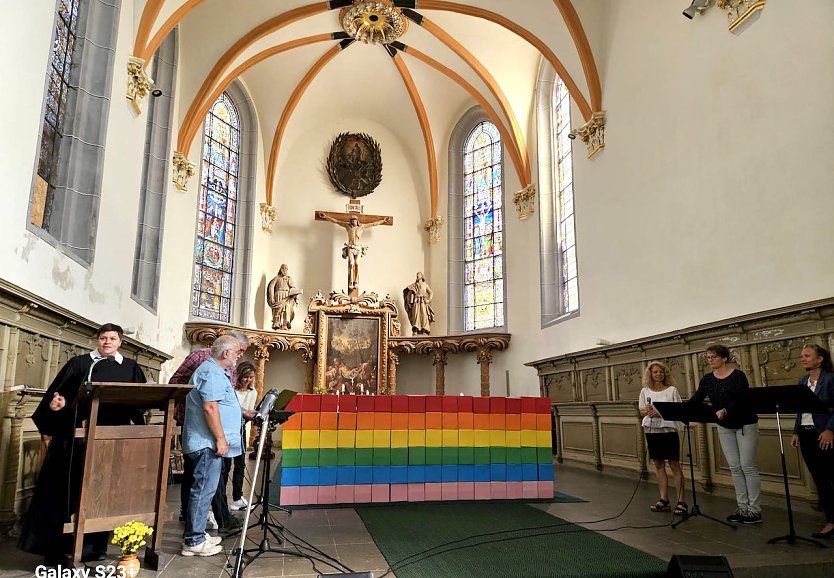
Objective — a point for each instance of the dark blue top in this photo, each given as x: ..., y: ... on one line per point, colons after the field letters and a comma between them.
x: 824, y: 391
x: 727, y: 394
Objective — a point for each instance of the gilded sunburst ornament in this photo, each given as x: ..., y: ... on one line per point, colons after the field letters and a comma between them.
x: 373, y: 22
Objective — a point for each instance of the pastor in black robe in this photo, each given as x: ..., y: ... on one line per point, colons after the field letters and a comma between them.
x: 56, y: 493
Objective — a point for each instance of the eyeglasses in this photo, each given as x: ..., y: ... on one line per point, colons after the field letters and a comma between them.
x: 711, y: 357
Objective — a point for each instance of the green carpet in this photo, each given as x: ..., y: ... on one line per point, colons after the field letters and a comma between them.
x: 497, y: 540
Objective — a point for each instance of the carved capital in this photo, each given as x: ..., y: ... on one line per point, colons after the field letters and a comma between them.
x: 261, y: 352
x: 741, y: 13
x: 138, y: 83
x: 440, y: 356
x: 183, y: 170
x: 268, y: 214
x: 393, y: 358
x: 432, y: 227
x: 592, y: 133
x: 485, y: 355
x: 525, y: 201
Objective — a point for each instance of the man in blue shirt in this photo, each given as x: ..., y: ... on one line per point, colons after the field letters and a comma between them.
x: 211, y: 432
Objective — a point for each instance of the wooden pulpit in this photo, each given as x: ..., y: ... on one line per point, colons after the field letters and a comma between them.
x: 125, y: 468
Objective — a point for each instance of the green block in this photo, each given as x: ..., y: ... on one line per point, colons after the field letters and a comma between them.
x: 466, y: 456
x: 417, y: 456
x: 449, y: 456
x: 481, y: 456
x: 345, y: 456
x: 399, y: 456
x: 364, y: 456
x: 529, y: 456
x: 514, y: 456
x: 328, y: 457
x: 498, y: 455
x: 309, y: 457
x: 545, y: 455
x: 434, y: 456
x: 382, y: 457
x: 291, y: 458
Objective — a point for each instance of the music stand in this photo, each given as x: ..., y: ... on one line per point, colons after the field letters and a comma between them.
x: 686, y: 413
x: 786, y: 399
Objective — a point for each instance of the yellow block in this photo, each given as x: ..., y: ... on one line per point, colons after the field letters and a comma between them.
x: 450, y: 438
x: 513, y: 439
x: 497, y: 437
x: 364, y: 438
x: 309, y: 438
x: 466, y: 438
x: 291, y: 439
x: 327, y: 438
x: 382, y: 438
x: 529, y: 439
x: 544, y: 439
x: 481, y: 438
x: 434, y: 438
x: 346, y: 438
x: 416, y: 438
x: 399, y: 438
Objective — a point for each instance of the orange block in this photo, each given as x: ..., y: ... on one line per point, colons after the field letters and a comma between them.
x: 293, y: 423
x: 347, y: 420
x: 480, y: 421
x: 365, y: 420
x: 382, y: 420
x: 529, y: 421
x: 434, y: 420
x: 399, y: 421
x: 466, y: 421
x: 416, y: 421
x: 543, y: 421
x: 450, y: 420
x: 514, y: 421
x: 310, y: 419
x: 498, y: 421
x: 328, y: 420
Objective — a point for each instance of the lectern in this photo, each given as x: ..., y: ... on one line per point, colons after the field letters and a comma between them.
x: 125, y: 467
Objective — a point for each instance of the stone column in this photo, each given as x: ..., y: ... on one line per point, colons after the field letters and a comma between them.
x: 309, y: 358
x: 393, y: 361
x: 441, y: 357
x: 484, y: 359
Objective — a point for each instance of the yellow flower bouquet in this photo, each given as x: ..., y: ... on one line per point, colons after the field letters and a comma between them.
x: 131, y: 537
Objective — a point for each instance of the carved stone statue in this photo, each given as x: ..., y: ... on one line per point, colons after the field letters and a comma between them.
x: 282, y: 297
x: 417, y: 297
x: 353, y: 249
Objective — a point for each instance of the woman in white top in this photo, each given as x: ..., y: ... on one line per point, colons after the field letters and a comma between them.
x: 662, y: 436
x: 247, y: 395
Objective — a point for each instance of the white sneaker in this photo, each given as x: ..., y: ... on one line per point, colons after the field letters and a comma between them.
x: 202, y: 549
x: 213, y: 540
x: 211, y: 523
x: 238, y: 505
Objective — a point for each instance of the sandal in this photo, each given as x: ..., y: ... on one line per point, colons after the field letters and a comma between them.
x: 660, y: 506
x: 681, y: 509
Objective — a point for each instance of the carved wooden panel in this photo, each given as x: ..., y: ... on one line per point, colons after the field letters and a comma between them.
x: 559, y: 387
x: 577, y: 436
x: 779, y: 361
x: 594, y: 384
x: 32, y: 360
x: 677, y: 370
x: 628, y: 380
x: 618, y: 439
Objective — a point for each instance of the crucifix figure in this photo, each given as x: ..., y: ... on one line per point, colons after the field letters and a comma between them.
x: 354, y: 224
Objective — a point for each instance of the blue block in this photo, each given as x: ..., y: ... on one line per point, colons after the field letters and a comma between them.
x: 290, y: 476
x: 309, y: 476
x: 466, y: 473
x: 449, y: 473
x: 434, y: 474
x: 416, y: 474
x: 498, y: 472
x: 514, y: 473
x: 327, y: 475
x: 381, y: 474
x: 529, y: 472
x: 364, y: 474
x: 399, y: 474
x: 480, y: 473
x: 545, y: 472
x: 345, y: 475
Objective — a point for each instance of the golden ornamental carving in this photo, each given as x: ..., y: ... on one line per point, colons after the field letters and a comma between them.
x: 525, y: 201
x: 451, y: 343
x: 741, y: 13
x: 440, y: 356
x: 432, y: 227
x: 268, y: 214
x: 592, y: 133
x: 138, y: 83
x: 184, y: 169
x: 261, y: 341
x: 376, y: 22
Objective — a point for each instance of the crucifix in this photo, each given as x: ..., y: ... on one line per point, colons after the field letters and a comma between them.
x: 354, y: 224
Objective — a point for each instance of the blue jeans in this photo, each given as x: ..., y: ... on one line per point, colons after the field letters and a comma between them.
x: 739, y: 447
x: 206, y: 466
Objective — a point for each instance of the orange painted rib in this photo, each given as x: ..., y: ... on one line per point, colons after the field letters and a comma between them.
x: 577, y: 95
x: 583, y: 47
x: 285, y: 116
x: 149, y: 13
x: 420, y: 109
x: 164, y: 30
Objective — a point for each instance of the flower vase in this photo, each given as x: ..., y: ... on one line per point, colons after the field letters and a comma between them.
x: 127, y: 566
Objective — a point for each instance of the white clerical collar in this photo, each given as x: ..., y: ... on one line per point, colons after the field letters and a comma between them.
x: 117, y: 357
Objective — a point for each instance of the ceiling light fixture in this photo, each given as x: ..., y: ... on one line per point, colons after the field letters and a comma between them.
x: 377, y: 22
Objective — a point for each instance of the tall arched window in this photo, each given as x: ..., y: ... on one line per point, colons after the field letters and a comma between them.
x: 563, y: 187
x: 483, y: 226
x: 214, y: 253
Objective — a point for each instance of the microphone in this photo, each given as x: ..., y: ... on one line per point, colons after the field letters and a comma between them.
x: 266, y: 405
x: 95, y: 361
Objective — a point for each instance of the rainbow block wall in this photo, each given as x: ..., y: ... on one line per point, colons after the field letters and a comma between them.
x: 398, y: 448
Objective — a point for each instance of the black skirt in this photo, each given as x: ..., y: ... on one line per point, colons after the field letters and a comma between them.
x: 664, y: 446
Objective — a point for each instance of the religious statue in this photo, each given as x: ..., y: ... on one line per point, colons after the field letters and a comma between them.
x: 417, y: 297
x: 282, y: 297
x: 353, y: 249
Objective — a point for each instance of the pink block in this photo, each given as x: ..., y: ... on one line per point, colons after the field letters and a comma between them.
x: 380, y: 493
x: 416, y: 492
x: 327, y: 495
x: 529, y: 489
x: 466, y: 490
x: 434, y: 492
x: 515, y: 490
x: 344, y: 494
x: 449, y: 491
x: 483, y: 490
x: 308, y: 495
x: 362, y: 493
x: 498, y: 490
x: 290, y: 495
x: 545, y: 489
x: 399, y: 492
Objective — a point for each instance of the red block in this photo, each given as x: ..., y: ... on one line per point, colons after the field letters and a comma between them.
x: 545, y: 489
x: 498, y: 405
x: 434, y: 403
x: 449, y: 491
x: 542, y: 405
x: 513, y: 405
x: 295, y: 403
x: 365, y: 403
x: 329, y: 402
x: 466, y: 490
x: 449, y: 403
x: 528, y: 404
x: 399, y: 403
x: 362, y: 493
x: 434, y: 492
x: 483, y: 490
x: 380, y: 493
x: 416, y: 492
x: 515, y: 490
x: 308, y: 494
x: 498, y: 490
x: 347, y: 403
x: 327, y: 495
x: 382, y: 403
x: 344, y: 494
x: 290, y: 495
x: 416, y: 404
x: 465, y: 403
x: 310, y: 402
x: 480, y: 405
x: 399, y: 492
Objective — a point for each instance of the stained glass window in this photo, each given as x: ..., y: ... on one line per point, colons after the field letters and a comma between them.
x: 217, y: 213
x: 58, y: 87
x: 483, y: 229
x: 563, y: 183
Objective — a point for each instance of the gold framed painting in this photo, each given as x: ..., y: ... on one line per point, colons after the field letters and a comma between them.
x: 352, y: 352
